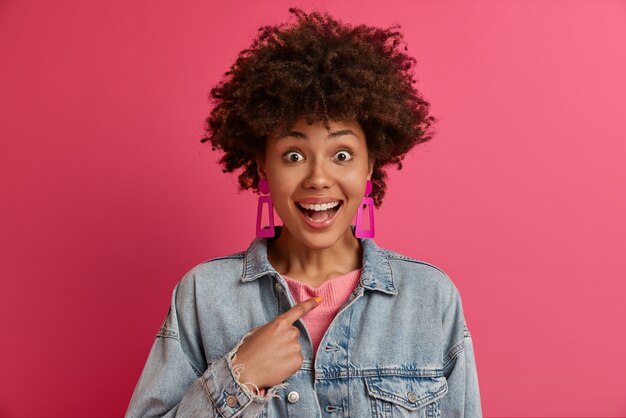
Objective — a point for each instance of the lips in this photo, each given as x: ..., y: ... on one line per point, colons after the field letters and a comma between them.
x: 319, y: 214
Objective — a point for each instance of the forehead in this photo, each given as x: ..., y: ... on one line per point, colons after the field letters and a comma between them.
x: 301, y: 129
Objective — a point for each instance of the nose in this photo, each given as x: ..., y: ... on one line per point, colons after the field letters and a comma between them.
x: 318, y: 176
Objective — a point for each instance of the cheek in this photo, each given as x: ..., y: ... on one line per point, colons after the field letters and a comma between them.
x: 281, y: 188
x: 353, y: 183
x: 277, y: 179
x: 354, y: 193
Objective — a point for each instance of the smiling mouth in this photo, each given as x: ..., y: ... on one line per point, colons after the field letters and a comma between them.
x: 319, y: 212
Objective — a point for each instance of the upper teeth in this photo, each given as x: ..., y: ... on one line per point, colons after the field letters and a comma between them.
x: 319, y: 207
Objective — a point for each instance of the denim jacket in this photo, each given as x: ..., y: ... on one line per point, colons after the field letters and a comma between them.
x: 398, y: 347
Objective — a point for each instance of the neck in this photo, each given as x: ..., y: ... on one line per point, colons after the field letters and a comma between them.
x: 314, y: 266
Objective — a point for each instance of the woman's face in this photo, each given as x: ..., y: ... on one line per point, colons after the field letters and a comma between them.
x: 317, y: 179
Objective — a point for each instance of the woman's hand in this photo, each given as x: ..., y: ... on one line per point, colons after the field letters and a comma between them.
x: 272, y: 353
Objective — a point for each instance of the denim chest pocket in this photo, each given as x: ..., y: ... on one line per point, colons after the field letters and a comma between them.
x: 402, y: 396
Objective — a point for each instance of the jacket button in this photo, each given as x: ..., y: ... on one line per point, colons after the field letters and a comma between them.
x: 279, y: 287
x: 293, y: 396
x: 412, y: 397
x: 231, y: 400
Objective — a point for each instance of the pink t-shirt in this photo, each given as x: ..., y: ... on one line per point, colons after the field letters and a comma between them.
x: 334, y: 293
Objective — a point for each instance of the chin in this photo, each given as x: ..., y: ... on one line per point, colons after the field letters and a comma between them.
x: 321, y: 240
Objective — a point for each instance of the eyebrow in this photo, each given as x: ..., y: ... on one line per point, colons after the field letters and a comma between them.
x: 332, y: 135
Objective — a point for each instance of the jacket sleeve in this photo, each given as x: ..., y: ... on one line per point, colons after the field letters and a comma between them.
x: 463, y: 397
x: 172, y: 384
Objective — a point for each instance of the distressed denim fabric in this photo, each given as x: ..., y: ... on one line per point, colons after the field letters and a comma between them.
x: 399, y: 346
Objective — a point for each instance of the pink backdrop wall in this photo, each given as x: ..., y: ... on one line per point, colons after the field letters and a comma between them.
x: 108, y: 197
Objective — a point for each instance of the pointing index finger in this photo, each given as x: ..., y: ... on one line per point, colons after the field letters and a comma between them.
x: 298, y: 311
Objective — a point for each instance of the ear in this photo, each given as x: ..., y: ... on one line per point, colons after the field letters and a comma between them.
x: 260, y: 167
x: 370, y: 170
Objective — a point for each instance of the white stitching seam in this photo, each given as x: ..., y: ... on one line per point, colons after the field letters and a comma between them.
x: 236, y: 370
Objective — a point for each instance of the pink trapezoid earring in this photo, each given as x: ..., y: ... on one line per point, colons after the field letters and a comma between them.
x: 360, y: 232
x: 268, y: 231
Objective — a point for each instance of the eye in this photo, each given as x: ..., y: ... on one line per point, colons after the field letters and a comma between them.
x: 293, y: 157
x: 343, y: 155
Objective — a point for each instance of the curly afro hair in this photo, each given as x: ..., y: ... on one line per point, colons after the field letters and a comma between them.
x: 321, y: 69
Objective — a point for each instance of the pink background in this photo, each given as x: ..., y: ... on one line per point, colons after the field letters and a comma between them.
x: 108, y: 197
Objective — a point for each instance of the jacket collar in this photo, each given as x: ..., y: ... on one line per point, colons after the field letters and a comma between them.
x: 375, y: 275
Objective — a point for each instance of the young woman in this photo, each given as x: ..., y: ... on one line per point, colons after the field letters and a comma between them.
x: 314, y: 319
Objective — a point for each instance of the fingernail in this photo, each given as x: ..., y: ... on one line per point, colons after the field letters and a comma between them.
x: 318, y: 299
